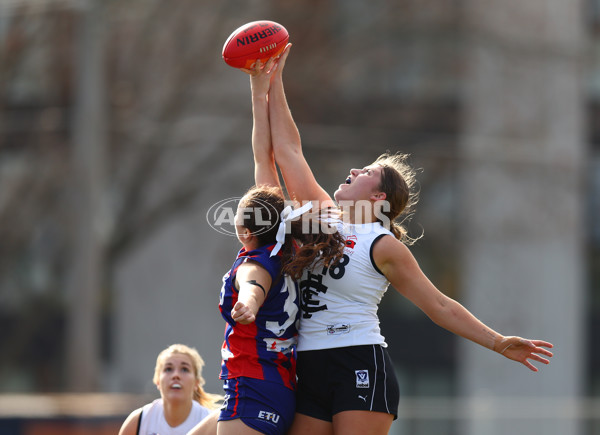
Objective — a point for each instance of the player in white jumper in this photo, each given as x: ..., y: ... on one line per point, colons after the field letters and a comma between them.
x: 183, y: 402
x: 346, y: 383
x: 154, y: 422
x: 332, y: 316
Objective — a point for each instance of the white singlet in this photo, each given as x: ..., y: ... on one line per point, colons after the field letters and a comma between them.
x: 339, y: 304
x: 154, y: 423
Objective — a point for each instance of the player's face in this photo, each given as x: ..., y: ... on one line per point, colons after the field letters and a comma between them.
x: 177, y: 380
x: 361, y: 184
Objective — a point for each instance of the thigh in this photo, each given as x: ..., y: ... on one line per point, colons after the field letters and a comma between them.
x: 305, y: 425
x: 235, y: 427
x: 362, y: 423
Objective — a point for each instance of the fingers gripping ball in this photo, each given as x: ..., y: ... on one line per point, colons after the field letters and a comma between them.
x: 256, y: 40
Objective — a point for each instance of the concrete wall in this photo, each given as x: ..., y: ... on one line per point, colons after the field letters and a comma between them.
x: 523, y: 155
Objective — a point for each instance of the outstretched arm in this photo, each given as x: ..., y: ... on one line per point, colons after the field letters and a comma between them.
x: 399, y: 266
x: 297, y: 175
x: 265, y: 171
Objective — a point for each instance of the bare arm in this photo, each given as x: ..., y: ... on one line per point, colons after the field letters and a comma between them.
x: 399, y: 266
x: 208, y: 426
x: 287, y: 147
x: 265, y: 171
x: 253, y: 282
x: 130, y: 424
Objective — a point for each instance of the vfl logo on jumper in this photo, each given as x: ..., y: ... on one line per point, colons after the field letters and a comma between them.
x: 337, y: 329
x: 362, y: 378
x: 268, y: 416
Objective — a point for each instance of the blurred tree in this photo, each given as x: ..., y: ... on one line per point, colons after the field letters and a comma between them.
x: 88, y: 180
x: 81, y: 188
x: 93, y: 101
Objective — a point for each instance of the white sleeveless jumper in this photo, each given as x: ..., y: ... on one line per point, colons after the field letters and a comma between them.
x: 153, y: 419
x: 339, y: 304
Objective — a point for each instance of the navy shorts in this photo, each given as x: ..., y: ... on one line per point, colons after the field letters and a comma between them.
x: 354, y: 378
x: 264, y: 406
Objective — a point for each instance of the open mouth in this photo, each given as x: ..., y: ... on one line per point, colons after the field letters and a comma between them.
x: 176, y: 386
x: 349, y: 179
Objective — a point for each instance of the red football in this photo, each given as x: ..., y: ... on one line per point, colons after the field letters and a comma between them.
x: 256, y: 40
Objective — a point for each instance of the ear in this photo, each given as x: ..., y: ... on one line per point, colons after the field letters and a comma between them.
x: 247, y: 234
x: 378, y: 196
x: 247, y: 238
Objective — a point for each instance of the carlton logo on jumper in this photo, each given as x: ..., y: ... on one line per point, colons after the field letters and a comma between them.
x: 268, y: 416
x: 362, y: 378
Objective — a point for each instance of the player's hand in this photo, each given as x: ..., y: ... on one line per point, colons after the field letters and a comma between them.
x: 242, y: 314
x: 260, y: 76
x: 282, y: 58
x: 522, y: 350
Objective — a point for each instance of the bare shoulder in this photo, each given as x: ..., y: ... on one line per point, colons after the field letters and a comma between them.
x: 251, y: 267
x: 252, y: 270
x: 394, y: 258
x: 389, y: 248
x: 130, y: 424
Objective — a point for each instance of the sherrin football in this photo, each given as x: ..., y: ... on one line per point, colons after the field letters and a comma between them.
x: 256, y: 40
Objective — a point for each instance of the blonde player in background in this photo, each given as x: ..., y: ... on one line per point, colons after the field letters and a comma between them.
x: 183, y: 402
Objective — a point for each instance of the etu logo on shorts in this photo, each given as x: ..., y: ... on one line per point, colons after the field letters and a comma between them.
x: 268, y: 416
x: 362, y: 378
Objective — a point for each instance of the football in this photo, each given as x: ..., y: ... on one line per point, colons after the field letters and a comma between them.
x: 256, y: 40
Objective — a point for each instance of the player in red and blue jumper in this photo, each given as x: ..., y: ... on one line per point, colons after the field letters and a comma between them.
x: 259, y: 299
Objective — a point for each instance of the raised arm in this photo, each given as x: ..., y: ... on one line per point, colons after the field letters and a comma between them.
x: 399, y: 266
x: 265, y: 171
x: 297, y: 175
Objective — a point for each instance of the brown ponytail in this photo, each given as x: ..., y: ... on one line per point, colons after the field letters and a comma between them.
x: 321, y: 241
x: 398, y: 182
x: 316, y: 239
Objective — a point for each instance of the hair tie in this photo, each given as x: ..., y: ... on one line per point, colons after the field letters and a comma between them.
x: 288, y: 215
